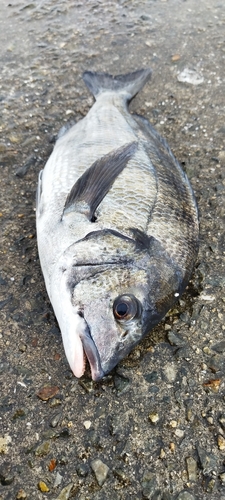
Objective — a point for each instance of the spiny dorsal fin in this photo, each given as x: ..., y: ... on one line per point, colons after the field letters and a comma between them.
x: 90, y: 189
x: 129, y: 84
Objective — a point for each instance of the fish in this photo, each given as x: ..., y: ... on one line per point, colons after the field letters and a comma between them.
x: 117, y: 227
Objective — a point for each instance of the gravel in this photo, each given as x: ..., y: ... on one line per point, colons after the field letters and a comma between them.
x: 155, y: 427
x: 100, y: 470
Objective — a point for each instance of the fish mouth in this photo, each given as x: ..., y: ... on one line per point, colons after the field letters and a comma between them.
x: 92, y: 354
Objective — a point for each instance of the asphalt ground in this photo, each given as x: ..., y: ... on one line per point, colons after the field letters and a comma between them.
x: 155, y: 427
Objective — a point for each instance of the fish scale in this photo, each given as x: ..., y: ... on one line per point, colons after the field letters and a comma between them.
x: 70, y: 158
x: 123, y: 208
x: 117, y: 227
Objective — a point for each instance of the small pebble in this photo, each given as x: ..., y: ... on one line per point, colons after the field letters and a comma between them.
x: 87, y: 424
x: 170, y: 372
x: 179, y: 433
x: 207, y: 460
x: 191, y: 469
x: 175, y: 57
x: 21, y: 495
x: 149, y: 43
x: 149, y: 485
x: 154, y: 417
x: 4, y: 441
x: 221, y: 442
x: 189, y: 414
x: 175, y: 339
x: 207, y: 350
x: 222, y: 477
x: 55, y: 420
x: 82, y: 470
x: 209, y: 484
x: 22, y: 347
x: 58, y: 480
x: 47, y: 392
x: 151, y: 377
x: 65, y: 493
x: 43, y: 449
x: 43, y: 487
x: 100, y: 470
x: 172, y: 447
x: 50, y: 434
x: 52, y: 465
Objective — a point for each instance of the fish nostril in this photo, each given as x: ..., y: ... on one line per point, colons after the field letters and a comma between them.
x: 124, y: 334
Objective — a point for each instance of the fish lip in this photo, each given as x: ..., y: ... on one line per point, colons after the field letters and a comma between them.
x: 92, y: 354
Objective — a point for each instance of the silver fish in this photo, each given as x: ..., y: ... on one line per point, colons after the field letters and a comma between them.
x: 117, y: 227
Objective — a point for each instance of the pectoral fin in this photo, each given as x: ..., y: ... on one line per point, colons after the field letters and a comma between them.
x: 90, y: 189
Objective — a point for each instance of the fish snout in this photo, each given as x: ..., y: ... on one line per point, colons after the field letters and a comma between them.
x: 92, y: 354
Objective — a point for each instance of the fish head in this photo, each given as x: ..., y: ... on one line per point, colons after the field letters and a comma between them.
x: 107, y: 304
x: 120, y: 306
x: 111, y: 304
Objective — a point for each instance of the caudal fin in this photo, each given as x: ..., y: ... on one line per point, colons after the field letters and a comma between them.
x: 128, y: 85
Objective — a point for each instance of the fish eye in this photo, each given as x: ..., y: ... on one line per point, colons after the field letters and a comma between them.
x: 126, y: 307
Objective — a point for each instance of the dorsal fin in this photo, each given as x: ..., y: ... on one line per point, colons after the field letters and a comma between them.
x: 90, y: 189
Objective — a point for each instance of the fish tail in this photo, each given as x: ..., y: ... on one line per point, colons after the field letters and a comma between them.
x: 127, y: 85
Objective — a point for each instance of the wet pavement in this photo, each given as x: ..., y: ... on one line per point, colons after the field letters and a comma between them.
x: 155, y: 427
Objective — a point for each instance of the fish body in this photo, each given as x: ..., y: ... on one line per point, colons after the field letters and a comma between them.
x: 117, y: 227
